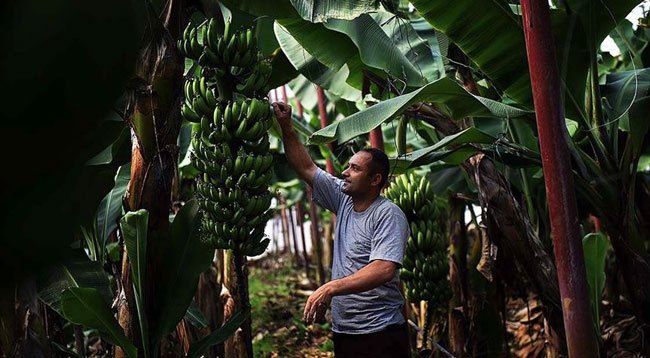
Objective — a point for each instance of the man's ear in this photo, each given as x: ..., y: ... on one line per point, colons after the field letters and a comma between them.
x: 376, y: 179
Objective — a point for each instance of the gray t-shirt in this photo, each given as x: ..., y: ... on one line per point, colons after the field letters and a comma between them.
x: 379, y: 232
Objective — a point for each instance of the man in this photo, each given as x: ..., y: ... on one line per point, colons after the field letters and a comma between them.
x: 371, y: 234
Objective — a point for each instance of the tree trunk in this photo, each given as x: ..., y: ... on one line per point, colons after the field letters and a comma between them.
x: 22, y: 330
x: 375, y: 136
x: 558, y: 178
x: 299, y: 220
x: 154, y: 119
x: 285, y: 226
x: 458, y: 278
x: 316, y: 242
x: 292, y: 224
x: 207, y: 297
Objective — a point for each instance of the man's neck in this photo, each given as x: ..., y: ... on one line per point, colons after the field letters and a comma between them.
x: 360, y: 204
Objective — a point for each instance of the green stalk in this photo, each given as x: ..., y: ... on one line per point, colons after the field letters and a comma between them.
x: 526, y: 186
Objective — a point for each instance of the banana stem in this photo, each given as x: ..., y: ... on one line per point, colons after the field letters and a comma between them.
x: 427, y: 326
x: 242, y: 290
x: 225, y: 88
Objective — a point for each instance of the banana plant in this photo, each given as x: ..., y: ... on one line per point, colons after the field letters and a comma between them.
x: 79, y: 289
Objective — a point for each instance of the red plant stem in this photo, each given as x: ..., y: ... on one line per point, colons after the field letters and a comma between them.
x: 376, y: 136
x: 567, y: 245
x: 324, y: 123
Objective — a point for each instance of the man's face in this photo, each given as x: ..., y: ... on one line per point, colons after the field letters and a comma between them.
x: 358, y: 177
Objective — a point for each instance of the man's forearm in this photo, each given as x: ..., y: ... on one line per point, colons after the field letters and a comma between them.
x: 297, y: 154
x: 372, y: 275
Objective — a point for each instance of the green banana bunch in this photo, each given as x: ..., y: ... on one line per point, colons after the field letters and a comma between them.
x: 230, y: 148
x: 425, y: 267
x: 255, y: 81
x: 230, y: 48
x: 189, y: 45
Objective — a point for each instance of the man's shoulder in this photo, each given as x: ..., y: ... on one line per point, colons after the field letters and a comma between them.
x: 387, y: 207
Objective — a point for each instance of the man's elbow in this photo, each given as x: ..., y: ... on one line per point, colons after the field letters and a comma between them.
x: 388, y: 271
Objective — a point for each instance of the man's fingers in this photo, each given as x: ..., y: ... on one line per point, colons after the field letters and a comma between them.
x: 280, y: 107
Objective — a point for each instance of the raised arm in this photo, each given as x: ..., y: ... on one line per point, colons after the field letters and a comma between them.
x: 295, y: 151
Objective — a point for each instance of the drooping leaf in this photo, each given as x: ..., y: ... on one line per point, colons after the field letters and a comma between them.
x: 195, y: 316
x: 378, y: 43
x: 631, y: 43
x: 490, y: 33
x: 313, y: 69
x: 595, y: 246
x: 445, y: 92
x: 218, y: 336
x: 134, y: 229
x: 418, y: 45
x: 627, y: 98
x: 110, y: 208
x: 185, y: 256
x: 86, y: 307
x: 76, y: 271
x: 106, y: 156
x: 433, y: 153
x: 432, y: 37
x: 323, y: 10
x: 378, y: 50
x: 278, y: 9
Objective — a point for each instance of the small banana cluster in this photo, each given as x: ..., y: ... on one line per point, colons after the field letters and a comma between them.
x: 233, y: 51
x: 425, y: 267
x: 231, y: 145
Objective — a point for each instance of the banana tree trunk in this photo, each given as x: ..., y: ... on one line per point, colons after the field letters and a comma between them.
x: 23, y: 330
x: 376, y: 135
x: 154, y: 120
x: 296, y: 249
x: 317, y: 243
x: 300, y: 214
x: 285, y: 226
x: 457, y: 278
x: 324, y: 122
x: 567, y: 244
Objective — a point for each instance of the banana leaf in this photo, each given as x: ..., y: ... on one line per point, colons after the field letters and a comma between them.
x: 313, y: 69
x: 444, y: 92
x: 110, y: 210
x: 85, y: 306
x: 433, y: 153
x: 324, y: 11
x: 491, y: 35
x: 218, y: 336
x: 394, y: 47
x: 595, y: 247
x: 277, y: 9
x: 183, y: 256
x: 107, y: 155
x: 627, y: 96
x: 380, y: 43
x: 134, y: 229
x: 631, y: 44
x: 195, y: 316
x: 77, y: 270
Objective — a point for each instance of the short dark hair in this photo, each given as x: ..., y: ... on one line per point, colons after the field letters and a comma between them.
x: 379, y: 164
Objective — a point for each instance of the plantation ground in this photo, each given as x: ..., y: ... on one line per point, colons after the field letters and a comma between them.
x: 278, y: 293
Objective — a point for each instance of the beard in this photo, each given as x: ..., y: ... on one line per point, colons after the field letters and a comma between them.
x: 345, y: 188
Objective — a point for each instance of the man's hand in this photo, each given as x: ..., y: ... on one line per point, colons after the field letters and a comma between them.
x: 282, y: 113
x: 316, y: 305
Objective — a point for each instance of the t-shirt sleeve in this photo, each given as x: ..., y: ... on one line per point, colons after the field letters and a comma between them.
x: 390, y: 235
x: 326, y: 190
